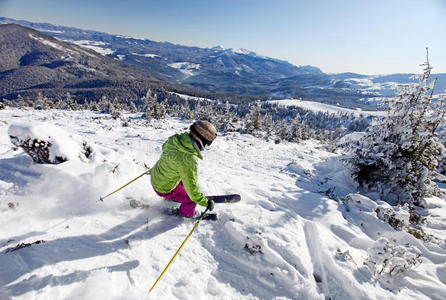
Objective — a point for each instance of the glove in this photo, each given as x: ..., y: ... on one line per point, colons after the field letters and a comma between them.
x: 211, y: 204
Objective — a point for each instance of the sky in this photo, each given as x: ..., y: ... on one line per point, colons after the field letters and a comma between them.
x: 367, y: 37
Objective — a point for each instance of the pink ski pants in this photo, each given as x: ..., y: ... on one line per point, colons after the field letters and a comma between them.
x: 179, y: 194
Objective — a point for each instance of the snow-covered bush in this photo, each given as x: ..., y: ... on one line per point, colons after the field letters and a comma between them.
x: 398, y: 217
x: 46, y: 143
x: 254, y: 243
x: 387, y: 259
x: 399, y: 154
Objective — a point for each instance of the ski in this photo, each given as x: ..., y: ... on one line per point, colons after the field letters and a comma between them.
x: 232, y: 198
x: 175, y: 212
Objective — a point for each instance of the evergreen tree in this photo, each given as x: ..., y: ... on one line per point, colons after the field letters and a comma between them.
x: 115, y: 109
x: 187, y: 112
x: 86, y: 105
x: 104, y: 105
x: 21, y: 101
x: 162, y: 111
x: 254, y: 120
x: 305, y: 133
x: 39, y: 102
x: 95, y: 106
x: 227, y: 119
x: 71, y: 104
x: 268, y: 126
x: 295, y: 133
x: 399, y: 155
x: 47, y: 103
x: 282, y: 129
x: 133, y: 109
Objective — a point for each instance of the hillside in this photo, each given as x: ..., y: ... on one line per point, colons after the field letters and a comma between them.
x: 32, y: 62
x: 300, y: 232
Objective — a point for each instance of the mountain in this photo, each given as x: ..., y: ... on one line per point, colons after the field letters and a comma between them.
x: 232, y: 71
x: 31, y: 61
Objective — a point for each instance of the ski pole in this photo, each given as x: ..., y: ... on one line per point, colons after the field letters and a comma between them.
x: 146, y: 172
x: 179, y: 249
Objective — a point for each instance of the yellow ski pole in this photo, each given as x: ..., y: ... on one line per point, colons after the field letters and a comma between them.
x: 179, y: 249
x: 146, y: 172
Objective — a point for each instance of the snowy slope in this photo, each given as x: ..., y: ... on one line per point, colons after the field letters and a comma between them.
x: 325, y: 108
x: 286, y: 239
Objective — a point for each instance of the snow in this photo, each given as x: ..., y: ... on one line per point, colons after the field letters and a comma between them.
x: 325, y: 108
x: 146, y: 55
x: 55, y: 45
x: 99, y: 47
x: 51, y: 31
x: 300, y: 232
x: 128, y: 37
x: 188, y: 97
x: 62, y: 144
x: 185, y: 67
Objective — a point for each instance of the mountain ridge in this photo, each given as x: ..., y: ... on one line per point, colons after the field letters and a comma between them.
x: 219, y: 70
x: 32, y: 62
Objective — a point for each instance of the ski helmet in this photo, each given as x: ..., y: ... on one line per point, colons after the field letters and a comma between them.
x: 203, y: 132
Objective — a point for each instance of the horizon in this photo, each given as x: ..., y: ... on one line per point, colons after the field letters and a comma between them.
x: 336, y: 38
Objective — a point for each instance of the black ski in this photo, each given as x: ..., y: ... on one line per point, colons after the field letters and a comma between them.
x: 232, y: 198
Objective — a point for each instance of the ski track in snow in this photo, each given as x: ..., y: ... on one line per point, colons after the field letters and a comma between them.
x: 279, y: 242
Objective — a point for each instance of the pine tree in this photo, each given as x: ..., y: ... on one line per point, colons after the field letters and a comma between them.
x: 115, y: 109
x: 305, y: 133
x: 295, y: 133
x: 254, y: 120
x: 282, y: 127
x: 268, y: 126
x: 86, y: 105
x: 39, y: 102
x: 174, y: 111
x: 187, y: 112
x: 133, y: 108
x: 60, y: 104
x: 71, y: 104
x: 21, y: 101
x: 104, y: 105
x: 95, y: 106
x: 399, y: 155
x: 227, y: 120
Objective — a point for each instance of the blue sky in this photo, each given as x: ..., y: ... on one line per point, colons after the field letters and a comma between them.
x: 368, y: 37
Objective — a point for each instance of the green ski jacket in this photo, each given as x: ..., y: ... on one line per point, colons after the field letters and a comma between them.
x: 178, y: 162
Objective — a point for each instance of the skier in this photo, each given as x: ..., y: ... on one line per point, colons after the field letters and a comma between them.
x: 174, y: 176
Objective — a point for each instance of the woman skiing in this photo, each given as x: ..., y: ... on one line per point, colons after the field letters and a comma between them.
x: 174, y: 176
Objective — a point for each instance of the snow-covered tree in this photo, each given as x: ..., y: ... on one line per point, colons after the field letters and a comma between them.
x: 399, y: 155
x: 254, y: 119
x: 39, y: 102
x: 104, y: 105
x: 295, y: 132
x: 60, y: 104
x: 227, y: 120
x: 187, y: 112
x: 21, y: 101
x: 86, y: 105
x: 115, y: 108
x: 72, y: 105
x: 95, y: 106
x: 133, y: 109
x: 268, y: 126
